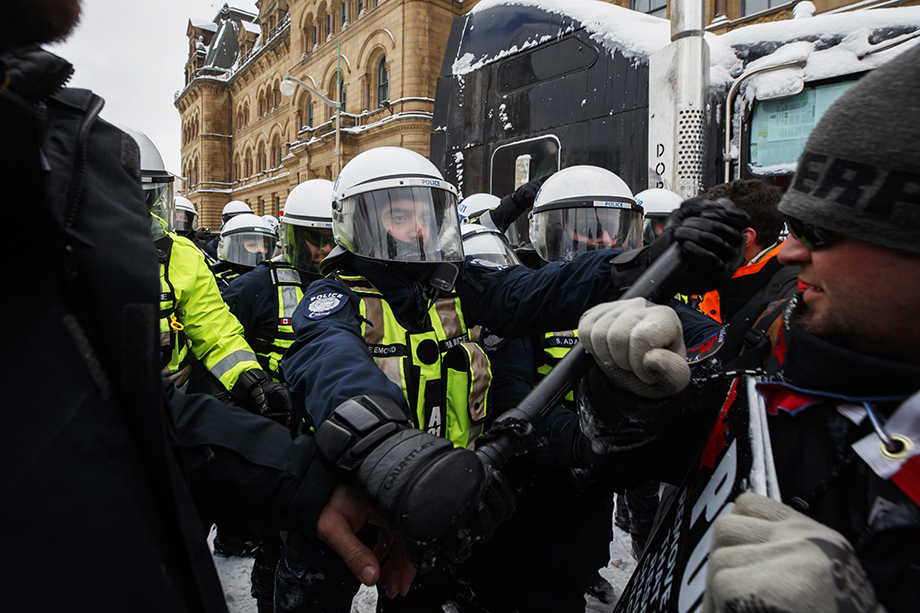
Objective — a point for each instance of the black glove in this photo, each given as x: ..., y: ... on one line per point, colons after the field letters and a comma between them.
x: 263, y: 396
x: 712, y: 245
x: 523, y: 197
x: 515, y: 204
x: 442, y: 499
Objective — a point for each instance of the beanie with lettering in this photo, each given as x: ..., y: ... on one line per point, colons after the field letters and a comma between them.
x: 860, y: 172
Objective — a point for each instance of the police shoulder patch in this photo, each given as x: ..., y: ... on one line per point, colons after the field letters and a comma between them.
x: 324, y: 304
x: 490, y: 342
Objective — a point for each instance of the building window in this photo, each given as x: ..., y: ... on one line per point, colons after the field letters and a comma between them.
x: 344, y: 13
x: 383, y: 82
x: 342, y: 96
x: 309, y: 114
x: 315, y: 34
x: 749, y: 7
x: 328, y: 24
x: 658, y: 8
x: 360, y: 6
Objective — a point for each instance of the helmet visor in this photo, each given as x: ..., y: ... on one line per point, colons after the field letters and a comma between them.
x: 400, y: 224
x: 304, y: 246
x: 246, y: 248
x: 186, y: 221
x: 158, y: 196
x: 562, y: 234
x: 490, y: 246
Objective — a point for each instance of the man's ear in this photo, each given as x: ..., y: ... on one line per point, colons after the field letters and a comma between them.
x: 750, y: 237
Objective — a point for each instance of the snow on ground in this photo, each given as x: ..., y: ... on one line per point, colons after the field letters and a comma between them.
x: 234, y: 576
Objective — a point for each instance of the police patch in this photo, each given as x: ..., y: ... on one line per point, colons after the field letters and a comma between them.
x: 324, y: 304
x: 487, y: 264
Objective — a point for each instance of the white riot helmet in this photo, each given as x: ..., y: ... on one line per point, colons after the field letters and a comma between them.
x: 306, y: 225
x: 270, y: 220
x: 393, y: 204
x: 232, y: 209
x: 473, y: 206
x: 484, y: 243
x: 583, y: 208
x: 157, y: 184
x: 657, y: 204
x: 246, y: 240
x: 186, y: 216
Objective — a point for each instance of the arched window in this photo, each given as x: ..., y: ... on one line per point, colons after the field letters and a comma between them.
x: 260, y: 158
x: 383, y: 82
x: 276, y: 151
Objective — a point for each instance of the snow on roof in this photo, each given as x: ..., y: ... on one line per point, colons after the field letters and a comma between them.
x: 832, y: 44
x: 613, y: 26
x: 253, y: 28
x: 202, y: 24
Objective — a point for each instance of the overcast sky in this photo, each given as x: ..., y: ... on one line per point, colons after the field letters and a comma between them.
x: 133, y: 54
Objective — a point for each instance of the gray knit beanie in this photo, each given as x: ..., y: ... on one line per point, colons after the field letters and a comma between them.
x: 860, y: 172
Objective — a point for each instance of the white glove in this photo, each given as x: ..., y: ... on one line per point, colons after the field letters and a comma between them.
x: 765, y: 556
x: 638, y: 345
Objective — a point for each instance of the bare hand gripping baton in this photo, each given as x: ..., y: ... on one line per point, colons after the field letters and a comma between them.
x: 514, y: 426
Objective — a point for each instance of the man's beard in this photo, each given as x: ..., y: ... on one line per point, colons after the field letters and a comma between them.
x: 37, y: 22
x: 823, y: 325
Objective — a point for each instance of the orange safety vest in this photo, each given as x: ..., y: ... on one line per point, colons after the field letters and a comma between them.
x: 710, y: 304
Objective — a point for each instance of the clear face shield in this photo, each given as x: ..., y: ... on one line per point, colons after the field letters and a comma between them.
x: 652, y: 228
x: 186, y: 221
x: 304, y: 246
x: 560, y: 234
x: 246, y: 247
x: 491, y: 247
x: 400, y: 224
x: 158, y: 194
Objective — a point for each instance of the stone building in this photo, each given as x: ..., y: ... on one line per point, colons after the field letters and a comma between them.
x: 243, y: 140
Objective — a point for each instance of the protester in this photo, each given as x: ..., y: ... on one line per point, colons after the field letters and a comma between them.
x: 831, y: 365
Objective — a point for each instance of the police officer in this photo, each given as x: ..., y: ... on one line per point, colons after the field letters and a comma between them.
x: 187, y: 225
x: 264, y: 299
x: 579, y: 209
x: 394, y: 312
x: 245, y: 241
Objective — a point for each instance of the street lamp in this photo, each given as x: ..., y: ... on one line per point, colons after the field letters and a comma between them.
x: 289, y: 86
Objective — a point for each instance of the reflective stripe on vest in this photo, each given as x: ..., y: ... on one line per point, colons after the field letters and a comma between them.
x: 288, y: 292
x: 555, y: 346
x: 444, y: 376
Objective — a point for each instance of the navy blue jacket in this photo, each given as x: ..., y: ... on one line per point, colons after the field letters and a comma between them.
x: 253, y: 300
x: 329, y: 361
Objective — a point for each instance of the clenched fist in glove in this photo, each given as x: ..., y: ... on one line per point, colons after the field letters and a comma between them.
x: 765, y: 556
x: 711, y: 242
x: 638, y: 345
x: 443, y: 500
x: 263, y: 396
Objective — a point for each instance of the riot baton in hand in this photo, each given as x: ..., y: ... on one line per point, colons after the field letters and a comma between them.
x: 543, y: 398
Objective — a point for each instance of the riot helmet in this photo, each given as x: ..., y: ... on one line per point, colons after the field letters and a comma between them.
x: 306, y: 225
x: 583, y: 208
x: 488, y: 244
x: 246, y: 240
x: 186, y: 216
x: 657, y: 205
x: 393, y: 204
x: 472, y: 208
x: 232, y: 209
x: 157, y: 184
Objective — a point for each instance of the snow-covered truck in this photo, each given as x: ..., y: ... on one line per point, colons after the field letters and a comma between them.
x: 531, y: 86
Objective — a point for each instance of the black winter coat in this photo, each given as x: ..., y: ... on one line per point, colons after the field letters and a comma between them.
x: 109, y: 477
